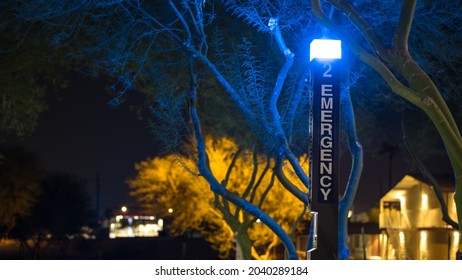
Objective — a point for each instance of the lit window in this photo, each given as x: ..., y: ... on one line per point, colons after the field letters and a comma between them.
x: 424, y: 201
x: 402, y: 199
x: 423, y: 245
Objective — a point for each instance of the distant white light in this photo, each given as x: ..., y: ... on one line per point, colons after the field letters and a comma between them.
x: 325, y: 49
x: 170, y: 210
x: 401, y: 239
x: 124, y: 209
x: 350, y: 213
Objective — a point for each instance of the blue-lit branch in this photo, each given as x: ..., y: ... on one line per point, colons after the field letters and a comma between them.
x: 356, y: 151
x: 291, y: 14
x: 279, y: 132
x: 202, y: 163
x: 297, y: 93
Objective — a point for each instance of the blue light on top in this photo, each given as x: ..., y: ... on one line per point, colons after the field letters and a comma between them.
x: 325, y: 49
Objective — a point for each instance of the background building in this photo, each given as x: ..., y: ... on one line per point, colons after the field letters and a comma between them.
x: 135, y: 225
x: 411, y: 221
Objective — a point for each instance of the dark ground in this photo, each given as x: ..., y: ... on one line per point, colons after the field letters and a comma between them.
x: 162, y: 248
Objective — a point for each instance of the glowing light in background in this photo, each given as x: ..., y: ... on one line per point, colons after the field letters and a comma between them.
x: 124, y: 226
x: 401, y: 238
x: 402, y: 246
x: 454, y: 244
x: 423, y: 246
x: 424, y: 201
x: 402, y: 199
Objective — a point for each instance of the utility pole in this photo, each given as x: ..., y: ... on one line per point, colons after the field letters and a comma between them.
x: 97, y: 199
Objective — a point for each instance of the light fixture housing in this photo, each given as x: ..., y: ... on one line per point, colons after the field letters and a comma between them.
x: 325, y: 49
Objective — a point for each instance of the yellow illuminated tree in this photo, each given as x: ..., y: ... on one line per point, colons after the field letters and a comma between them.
x: 171, y: 182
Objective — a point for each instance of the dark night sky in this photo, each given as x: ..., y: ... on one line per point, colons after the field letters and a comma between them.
x: 79, y: 133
